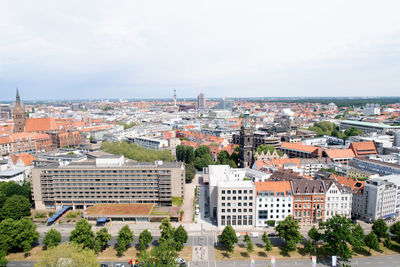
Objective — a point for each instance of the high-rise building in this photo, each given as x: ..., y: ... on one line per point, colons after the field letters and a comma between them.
x: 201, y: 101
x: 19, y: 115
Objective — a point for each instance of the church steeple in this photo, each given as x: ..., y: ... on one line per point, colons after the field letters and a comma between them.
x: 18, y: 99
x: 19, y: 115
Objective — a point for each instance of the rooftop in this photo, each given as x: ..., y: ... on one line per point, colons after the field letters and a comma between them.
x: 119, y: 209
x: 370, y: 124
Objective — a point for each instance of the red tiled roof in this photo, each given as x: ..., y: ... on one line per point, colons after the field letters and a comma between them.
x: 339, y: 153
x: 40, y: 124
x: 299, y: 147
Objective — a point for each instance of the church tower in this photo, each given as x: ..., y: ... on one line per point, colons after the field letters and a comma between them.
x: 246, y: 143
x: 19, y: 115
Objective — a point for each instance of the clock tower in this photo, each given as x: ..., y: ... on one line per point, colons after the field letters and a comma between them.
x: 19, y: 115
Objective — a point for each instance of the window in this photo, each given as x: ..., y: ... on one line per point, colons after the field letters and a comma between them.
x: 223, y: 198
x: 223, y: 191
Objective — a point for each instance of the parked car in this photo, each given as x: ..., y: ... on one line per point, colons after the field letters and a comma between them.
x: 119, y: 265
x: 272, y: 235
x: 180, y: 261
x: 237, y: 235
x: 197, y: 212
x: 254, y: 234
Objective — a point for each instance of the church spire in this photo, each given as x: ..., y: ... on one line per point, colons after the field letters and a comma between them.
x: 18, y: 99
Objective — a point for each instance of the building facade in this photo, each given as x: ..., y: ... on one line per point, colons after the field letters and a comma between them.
x: 308, y: 201
x: 108, y: 179
x: 338, y: 199
x: 274, y: 202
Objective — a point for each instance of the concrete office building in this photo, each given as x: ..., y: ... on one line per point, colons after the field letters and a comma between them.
x: 236, y: 204
x: 380, y: 200
x: 368, y: 127
x: 107, y: 179
x: 152, y: 143
x: 375, y: 166
x: 395, y: 179
x: 201, y: 101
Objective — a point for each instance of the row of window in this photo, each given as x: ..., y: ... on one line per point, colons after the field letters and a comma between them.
x: 237, y: 198
x: 272, y: 205
x: 228, y: 204
x: 273, y: 198
x: 239, y: 220
x: 234, y: 210
x: 238, y: 191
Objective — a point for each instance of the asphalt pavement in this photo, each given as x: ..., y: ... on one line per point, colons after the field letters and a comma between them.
x: 381, y: 261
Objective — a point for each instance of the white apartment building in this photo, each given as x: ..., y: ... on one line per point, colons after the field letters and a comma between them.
x: 274, y: 202
x: 395, y: 179
x: 338, y: 199
x: 380, y: 200
x: 213, y: 174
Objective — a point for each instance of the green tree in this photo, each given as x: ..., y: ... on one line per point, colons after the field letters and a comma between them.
x: 190, y: 172
x: 164, y: 253
x: 380, y: 229
x: 314, y: 234
x: 68, y: 255
x: 395, y: 231
x: 180, y: 237
x: 202, y: 151
x: 267, y: 242
x: 166, y: 230
x: 15, y: 207
x: 228, y: 238
x: 145, y: 238
x: 189, y: 155
x: 337, y: 235
x: 17, y: 235
x: 223, y: 158
x: 3, y: 260
x: 308, y: 247
x: 135, y: 152
x: 83, y: 234
x: 249, y: 243
x: 124, y: 238
x: 52, y: 238
x: 288, y: 230
x: 357, y: 237
x: 101, y: 240
x: 201, y: 162
x: 388, y: 243
x: 371, y: 241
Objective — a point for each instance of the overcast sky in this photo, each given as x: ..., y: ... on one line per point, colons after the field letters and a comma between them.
x: 135, y: 49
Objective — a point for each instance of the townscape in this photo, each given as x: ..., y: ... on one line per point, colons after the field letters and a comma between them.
x: 199, y: 133
x: 198, y: 176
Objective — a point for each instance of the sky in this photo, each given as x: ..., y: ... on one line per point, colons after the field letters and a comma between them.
x: 144, y: 49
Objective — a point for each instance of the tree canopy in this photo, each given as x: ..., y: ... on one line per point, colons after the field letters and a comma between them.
x: 145, y: 238
x: 135, y: 152
x: 380, y: 228
x: 101, y: 240
x: 228, y: 238
x: 395, y: 231
x: 15, y: 207
x: 267, y: 242
x: 83, y: 234
x: 17, y: 236
x: 124, y: 238
x: 288, y: 230
x: 52, y: 238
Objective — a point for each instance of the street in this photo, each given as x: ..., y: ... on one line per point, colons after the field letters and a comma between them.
x: 382, y: 261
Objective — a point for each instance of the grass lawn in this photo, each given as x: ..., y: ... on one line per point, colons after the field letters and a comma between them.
x: 240, y: 253
x: 34, y: 255
x: 110, y: 254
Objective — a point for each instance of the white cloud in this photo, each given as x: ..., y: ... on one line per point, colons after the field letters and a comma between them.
x: 236, y: 48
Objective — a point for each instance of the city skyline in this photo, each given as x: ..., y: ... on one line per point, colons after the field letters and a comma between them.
x: 140, y: 50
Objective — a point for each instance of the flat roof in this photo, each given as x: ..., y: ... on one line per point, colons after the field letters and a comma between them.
x: 235, y: 184
x: 370, y: 124
x: 105, y: 210
x: 13, y: 172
